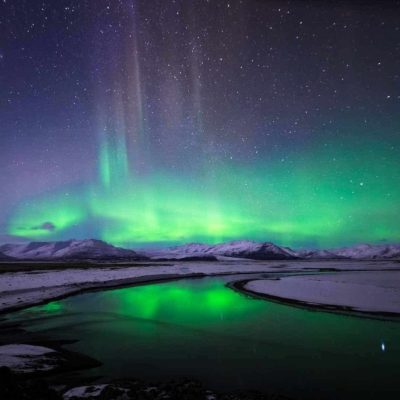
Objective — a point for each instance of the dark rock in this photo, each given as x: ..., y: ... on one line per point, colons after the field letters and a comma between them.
x: 185, y: 389
x: 16, y: 388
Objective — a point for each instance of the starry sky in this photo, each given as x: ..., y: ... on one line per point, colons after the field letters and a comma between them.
x: 170, y: 121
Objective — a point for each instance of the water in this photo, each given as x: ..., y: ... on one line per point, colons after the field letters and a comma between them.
x: 199, y: 328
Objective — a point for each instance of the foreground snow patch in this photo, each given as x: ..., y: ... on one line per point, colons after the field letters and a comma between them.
x: 84, y: 391
x: 377, y: 292
x: 27, y: 358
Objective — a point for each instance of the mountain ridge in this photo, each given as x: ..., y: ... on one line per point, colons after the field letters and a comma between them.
x: 243, y: 249
x: 270, y: 251
x: 68, y: 249
x: 238, y: 249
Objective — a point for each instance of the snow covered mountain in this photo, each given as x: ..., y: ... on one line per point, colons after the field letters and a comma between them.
x: 4, y: 257
x: 269, y: 251
x: 237, y: 249
x: 71, y: 249
x: 318, y: 255
x: 368, y: 251
x: 358, y: 252
x: 253, y: 250
x: 99, y: 250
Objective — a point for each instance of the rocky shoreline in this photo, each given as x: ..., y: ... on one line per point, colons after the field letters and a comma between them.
x: 13, y: 386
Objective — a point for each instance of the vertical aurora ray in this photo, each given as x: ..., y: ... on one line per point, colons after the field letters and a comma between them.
x: 113, y: 159
x: 122, y: 145
x: 138, y: 147
x: 113, y: 142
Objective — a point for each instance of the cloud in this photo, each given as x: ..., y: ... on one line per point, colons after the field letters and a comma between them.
x: 46, y: 226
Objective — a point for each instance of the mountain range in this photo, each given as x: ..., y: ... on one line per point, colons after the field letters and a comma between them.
x: 237, y: 249
x: 93, y: 249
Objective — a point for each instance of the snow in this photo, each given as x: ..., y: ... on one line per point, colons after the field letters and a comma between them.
x: 239, y: 248
x: 84, y: 391
x: 27, y: 358
x: 92, y: 248
x: 97, y: 249
x: 319, y: 254
x: 357, y: 252
x: 89, y: 248
x: 266, y: 250
x: 24, y: 288
x: 21, y: 289
x: 369, y: 251
x: 362, y: 291
x: 249, y: 248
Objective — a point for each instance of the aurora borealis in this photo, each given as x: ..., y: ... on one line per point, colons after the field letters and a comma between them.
x: 148, y: 122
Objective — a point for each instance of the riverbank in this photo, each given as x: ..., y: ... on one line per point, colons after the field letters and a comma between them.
x: 13, y: 387
x: 35, y: 285
x: 364, y: 292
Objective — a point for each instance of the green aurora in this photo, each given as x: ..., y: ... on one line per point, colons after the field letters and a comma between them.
x: 327, y: 194
x: 209, y: 128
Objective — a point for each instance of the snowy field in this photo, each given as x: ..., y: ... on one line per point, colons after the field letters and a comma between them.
x: 377, y: 292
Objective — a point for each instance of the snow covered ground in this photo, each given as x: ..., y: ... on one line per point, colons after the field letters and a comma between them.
x: 84, y: 391
x: 20, y: 289
x: 377, y: 292
x: 25, y: 358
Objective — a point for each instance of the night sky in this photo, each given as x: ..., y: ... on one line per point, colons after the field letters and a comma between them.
x: 141, y: 122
